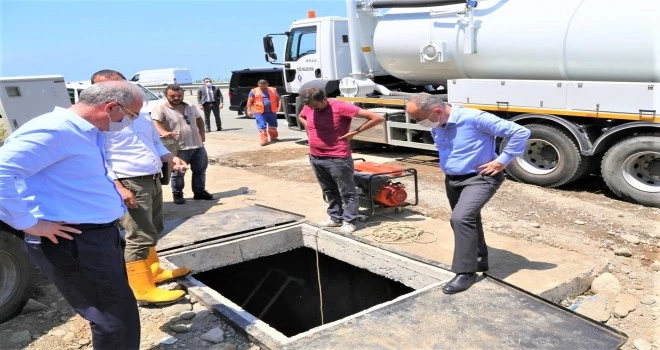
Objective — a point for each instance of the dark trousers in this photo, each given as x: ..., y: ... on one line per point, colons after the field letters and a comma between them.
x: 215, y: 108
x: 90, y: 273
x: 335, y: 176
x: 466, y: 197
x: 198, y: 161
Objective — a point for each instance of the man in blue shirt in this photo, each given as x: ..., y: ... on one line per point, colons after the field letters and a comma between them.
x: 54, y: 187
x: 465, y: 139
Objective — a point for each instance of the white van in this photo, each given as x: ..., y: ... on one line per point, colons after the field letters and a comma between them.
x: 163, y: 76
x: 76, y: 87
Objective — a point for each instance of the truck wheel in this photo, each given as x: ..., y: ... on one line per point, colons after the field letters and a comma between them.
x: 551, y: 158
x: 631, y: 169
x: 16, y: 275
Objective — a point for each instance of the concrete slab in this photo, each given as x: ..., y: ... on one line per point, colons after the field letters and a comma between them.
x: 540, y: 269
x: 487, y: 316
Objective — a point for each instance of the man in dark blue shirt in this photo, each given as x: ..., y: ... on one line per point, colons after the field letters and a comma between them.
x: 465, y: 139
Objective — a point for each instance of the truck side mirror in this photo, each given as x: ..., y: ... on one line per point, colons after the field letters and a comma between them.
x: 269, y: 48
x: 271, y: 57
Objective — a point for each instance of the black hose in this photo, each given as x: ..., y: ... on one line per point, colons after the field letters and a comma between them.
x: 379, y: 4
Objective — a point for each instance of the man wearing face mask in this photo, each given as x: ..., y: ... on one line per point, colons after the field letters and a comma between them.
x: 134, y: 156
x: 465, y: 139
x: 328, y: 124
x: 179, y: 120
x: 54, y: 187
x: 210, y: 100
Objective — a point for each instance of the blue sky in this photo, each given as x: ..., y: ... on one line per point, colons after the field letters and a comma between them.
x: 77, y: 38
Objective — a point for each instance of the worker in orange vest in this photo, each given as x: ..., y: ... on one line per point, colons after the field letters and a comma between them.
x: 263, y: 103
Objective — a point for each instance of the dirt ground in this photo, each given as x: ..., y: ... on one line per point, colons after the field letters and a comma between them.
x: 583, y: 217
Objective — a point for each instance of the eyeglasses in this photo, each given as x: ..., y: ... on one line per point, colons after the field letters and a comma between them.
x: 185, y: 117
x: 130, y: 113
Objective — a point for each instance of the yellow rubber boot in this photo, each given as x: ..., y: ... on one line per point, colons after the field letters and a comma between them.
x: 272, y: 133
x: 159, y: 274
x: 144, y: 288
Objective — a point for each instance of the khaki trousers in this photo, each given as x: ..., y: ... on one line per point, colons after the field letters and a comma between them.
x: 144, y: 223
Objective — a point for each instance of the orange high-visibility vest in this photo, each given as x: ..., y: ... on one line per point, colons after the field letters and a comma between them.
x: 258, y: 100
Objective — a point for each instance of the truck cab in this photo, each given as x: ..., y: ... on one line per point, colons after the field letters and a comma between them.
x: 316, y: 48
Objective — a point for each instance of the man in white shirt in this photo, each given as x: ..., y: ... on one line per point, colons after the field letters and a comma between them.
x: 134, y: 157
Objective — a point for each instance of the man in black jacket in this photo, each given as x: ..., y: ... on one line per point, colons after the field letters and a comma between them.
x: 210, y: 99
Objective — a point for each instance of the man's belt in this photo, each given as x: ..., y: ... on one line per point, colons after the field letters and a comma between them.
x: 143, y: 177
x: 461, y: 177
x: 83, y: 227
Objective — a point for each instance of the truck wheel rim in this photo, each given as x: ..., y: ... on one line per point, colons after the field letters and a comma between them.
x: 8, y: 278
x: 642, y: 171
x: 540, y: 157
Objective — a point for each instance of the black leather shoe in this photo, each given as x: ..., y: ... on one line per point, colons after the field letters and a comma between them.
x: 178, y: 198
x: 208, y: 130
x: 204, y: 196
x: 220, y: 129
x: 459, y: 283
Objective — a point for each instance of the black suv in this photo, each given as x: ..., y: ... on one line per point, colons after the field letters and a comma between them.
x: 244, y: 80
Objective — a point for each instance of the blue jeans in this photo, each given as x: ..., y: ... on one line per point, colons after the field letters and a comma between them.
x: 266, y: 120
x: 336, y: 177
x: 198, y: 161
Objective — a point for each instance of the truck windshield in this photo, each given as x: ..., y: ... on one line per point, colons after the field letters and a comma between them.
x: 301, y: 42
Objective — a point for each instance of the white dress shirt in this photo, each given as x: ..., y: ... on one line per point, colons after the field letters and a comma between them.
x: 135, y: 150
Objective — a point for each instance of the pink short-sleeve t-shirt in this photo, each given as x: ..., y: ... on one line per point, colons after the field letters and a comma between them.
x: 325, y: 127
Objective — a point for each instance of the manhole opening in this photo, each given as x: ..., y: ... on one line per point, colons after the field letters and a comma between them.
x: 282, y: 289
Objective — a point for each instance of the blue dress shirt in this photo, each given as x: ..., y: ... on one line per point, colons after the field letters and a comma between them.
x: 468, y: 140
x: 52, y: 168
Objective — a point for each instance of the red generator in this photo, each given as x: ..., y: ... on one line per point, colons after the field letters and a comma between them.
x: 377, y: 186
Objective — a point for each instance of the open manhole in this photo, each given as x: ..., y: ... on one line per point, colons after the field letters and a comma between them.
x: 264, y: 281
x: 283, y: 289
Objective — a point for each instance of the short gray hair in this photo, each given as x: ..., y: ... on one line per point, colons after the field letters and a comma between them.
x: 426, y: 102
x: 122, y: 92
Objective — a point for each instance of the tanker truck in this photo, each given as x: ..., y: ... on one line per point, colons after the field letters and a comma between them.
x: 582, y: 75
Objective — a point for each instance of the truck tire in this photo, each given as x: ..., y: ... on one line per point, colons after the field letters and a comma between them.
x: 631, y: 169
x: 551, y: 158
x: 245, y: 113
x: 16, y: 275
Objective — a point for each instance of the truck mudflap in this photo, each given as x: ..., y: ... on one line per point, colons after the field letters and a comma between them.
x: 492, y: 314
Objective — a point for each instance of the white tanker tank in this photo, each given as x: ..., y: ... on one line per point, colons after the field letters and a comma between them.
x: 596, y: 40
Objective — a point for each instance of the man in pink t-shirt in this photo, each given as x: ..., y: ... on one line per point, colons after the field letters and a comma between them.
x: 328, y: 124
